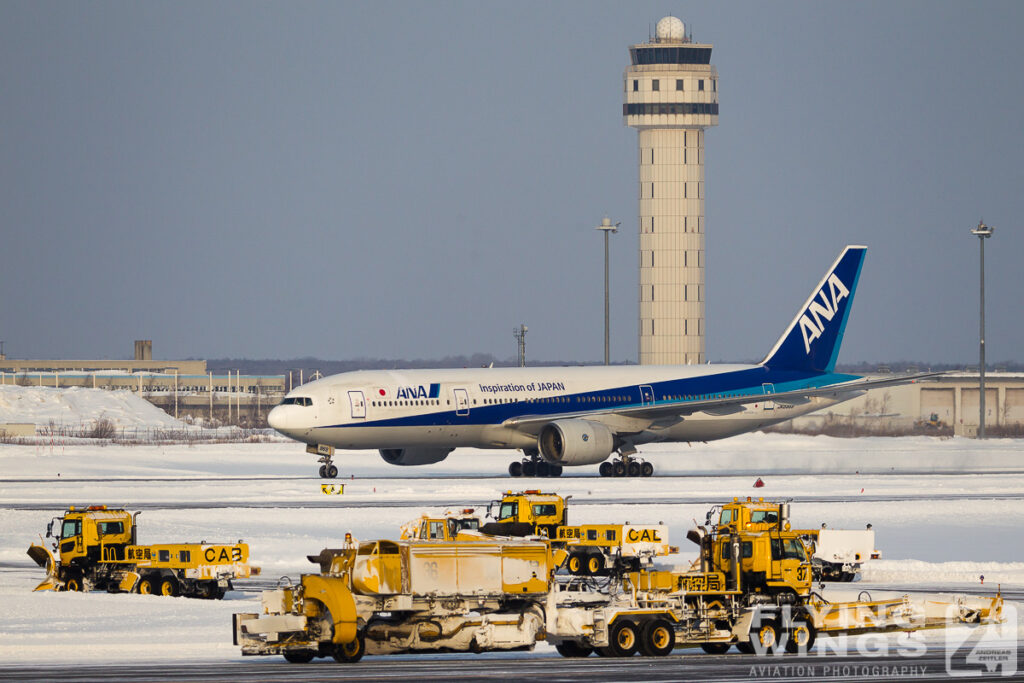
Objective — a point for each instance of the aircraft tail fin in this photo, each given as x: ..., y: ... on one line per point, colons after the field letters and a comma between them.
x: 812, y: 340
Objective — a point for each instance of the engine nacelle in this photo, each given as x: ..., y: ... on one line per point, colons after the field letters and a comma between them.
x: 414, y: 456
x: 575, y: 442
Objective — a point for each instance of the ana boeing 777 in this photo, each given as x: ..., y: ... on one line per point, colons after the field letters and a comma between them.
x: 571, y: 416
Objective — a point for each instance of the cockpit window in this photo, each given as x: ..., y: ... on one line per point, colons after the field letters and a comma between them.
x: 297, y: 401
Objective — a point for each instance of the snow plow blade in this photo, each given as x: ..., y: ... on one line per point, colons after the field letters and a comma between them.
x: 42, y: 556
x: 902, y: 614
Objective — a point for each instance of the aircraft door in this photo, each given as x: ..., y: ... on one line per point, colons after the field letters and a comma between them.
x: 646, y: 395
x: 461, y: 401
x: 768, y: 390
x: 358, y: 403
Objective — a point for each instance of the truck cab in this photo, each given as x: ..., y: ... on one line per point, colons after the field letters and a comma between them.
x: 92, y: 534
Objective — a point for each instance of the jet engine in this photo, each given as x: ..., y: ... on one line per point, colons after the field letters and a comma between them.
x: 414, y: 456
x: 575, y: 442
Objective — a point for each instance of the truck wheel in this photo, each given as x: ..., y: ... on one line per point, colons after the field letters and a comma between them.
x: 594, y: 563
x: 765, y: 637
x: 169, y: 586
x: 145, y: 586
x: 625, y: 638
x: 575, y: 564
x: 351, y: 652
x: 746, y: 648
x: 73, y: 584
x: 659, y: 638
x: 298, y: 656
x: 801, y: 638
x: 715, y: 648
x: 570, y: 648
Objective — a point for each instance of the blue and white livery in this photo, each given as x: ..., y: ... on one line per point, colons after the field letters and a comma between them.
x: 572, y: 416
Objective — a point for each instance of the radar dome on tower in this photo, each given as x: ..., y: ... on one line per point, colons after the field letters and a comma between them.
x: 670, y: 30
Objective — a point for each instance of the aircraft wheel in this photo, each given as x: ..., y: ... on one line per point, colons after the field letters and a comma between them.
x: 646, y: 469
x: 332, y: 471
x: 323, y: 471
x: 554, y: 470
x: 633, y: 468
x: 715, y: 648
x: 606, y: 469
x: 529, y: 469
x: 619, y: 468
x: 543, y: 470
x: 515, y: 469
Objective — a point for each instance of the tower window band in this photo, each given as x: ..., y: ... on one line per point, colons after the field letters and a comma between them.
x: 654, y: 108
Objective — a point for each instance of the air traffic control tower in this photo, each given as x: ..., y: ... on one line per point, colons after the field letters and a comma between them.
x: 671, y: 96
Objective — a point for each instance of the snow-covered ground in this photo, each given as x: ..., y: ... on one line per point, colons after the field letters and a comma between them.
x: 78, y: 405
x: 945, y: 512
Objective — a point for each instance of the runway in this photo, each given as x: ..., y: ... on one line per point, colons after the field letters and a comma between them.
x: 691, y: 666
x: 938, y: 532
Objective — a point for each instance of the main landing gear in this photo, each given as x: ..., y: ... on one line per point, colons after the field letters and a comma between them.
x: 626, y: 466
x: 533, y: 466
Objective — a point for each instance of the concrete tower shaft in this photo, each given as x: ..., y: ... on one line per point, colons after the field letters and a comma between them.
x: 671, y: 96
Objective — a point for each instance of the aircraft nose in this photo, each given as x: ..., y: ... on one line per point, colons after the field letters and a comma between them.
x: 277, y: 418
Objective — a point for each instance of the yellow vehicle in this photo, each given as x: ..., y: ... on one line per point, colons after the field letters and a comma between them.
x: 443, y: 528
x: 591, y: 548
x: 96, y: 550
x: 750, y: 588
x: 836, y: 554
x: 385, y: 597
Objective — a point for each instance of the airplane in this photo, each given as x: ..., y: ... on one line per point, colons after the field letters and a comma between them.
x: 573, y: 416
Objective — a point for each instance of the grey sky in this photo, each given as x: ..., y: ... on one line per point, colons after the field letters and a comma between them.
x: 415, y: 179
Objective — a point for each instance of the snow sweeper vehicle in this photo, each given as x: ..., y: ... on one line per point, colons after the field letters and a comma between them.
x: 748, y: 588
x: 96, y: 549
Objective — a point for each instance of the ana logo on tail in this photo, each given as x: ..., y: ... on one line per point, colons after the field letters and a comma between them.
x: 811, y: 325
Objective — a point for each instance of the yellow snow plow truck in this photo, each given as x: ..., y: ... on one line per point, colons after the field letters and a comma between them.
x: 750, y: 588
x: 592, y: 549
x: 836, y: 554
x: 96, y: 550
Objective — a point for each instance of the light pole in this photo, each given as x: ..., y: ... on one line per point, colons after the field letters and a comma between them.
x: 606, y: 227
x: 982, y: 231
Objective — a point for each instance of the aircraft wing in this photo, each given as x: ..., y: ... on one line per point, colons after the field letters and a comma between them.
x: 635, y: 419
